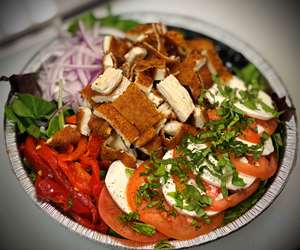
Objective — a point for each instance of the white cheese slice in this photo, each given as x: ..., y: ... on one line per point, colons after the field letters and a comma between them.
x: 116, y: 181
x: 268, y: 147
x: 213, y: 95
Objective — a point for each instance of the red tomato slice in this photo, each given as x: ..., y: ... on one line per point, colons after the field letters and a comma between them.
x: 265, y: 169
x: 234, y: 199
x: 212, y: 115
x: 270, y: 126
x: 179, y: 227
x: 110, y: 213
x: 250, y: 135
x: 211, y: 191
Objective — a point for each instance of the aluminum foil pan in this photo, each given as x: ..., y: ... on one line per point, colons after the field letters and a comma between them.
x: 223, y: 38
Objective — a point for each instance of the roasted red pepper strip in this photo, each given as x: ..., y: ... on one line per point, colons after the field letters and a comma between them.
x: 48, y: 190
x: 78, y: 177
x: 30, y: 153
x: 50, y: 157
x: 95, y: 182
x: 80, y: 201
x: 71, y: 119
x: 94, y: 146
x: 77, y: 153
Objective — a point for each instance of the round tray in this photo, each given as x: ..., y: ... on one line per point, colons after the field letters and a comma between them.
x: 242, y: 52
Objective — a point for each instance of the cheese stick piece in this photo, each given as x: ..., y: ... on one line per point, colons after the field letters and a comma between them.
x: 177, y: 96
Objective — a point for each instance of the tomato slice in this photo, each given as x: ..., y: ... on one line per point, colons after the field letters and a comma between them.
x: 211, y: 191
x: 110, y: 213
x: 265, y: 169
x: 179, y: 227
x: 234, y: 199
x: 270, y: 126
x: 212, y: 115
x: 250, y: 135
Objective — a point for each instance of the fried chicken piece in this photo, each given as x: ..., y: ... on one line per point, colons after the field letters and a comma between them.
x: 200, y: 44
x: 135, y: 106
x: 99, y: 126
x: 64, y: 137
x: 124, y: 128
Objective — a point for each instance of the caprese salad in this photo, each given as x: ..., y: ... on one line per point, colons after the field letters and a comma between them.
x: 164, y: 143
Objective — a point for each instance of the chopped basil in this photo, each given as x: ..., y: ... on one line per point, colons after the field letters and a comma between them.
x: 163, y: 244
x: 199, y: 183
x: 129, y: 171
x: 113, y: 233
x: 147, y: 191
x: 143, y: 228
x: 32, y: 176
x: 132, y: 216
x: 195, y: 223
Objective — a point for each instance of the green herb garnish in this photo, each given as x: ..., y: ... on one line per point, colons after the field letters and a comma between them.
x: 163, y: 244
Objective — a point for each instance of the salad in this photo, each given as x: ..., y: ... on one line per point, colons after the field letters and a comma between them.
x: 146, y: 135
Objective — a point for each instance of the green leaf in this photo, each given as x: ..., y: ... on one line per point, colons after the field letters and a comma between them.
x: 21, y: 110
x: 34, y: 130
x: 13, y: 118
x: 88, y: 19
x: 251, y: 75
x: 26, y: 105
x: 114, y: 21
x: 53, y: 126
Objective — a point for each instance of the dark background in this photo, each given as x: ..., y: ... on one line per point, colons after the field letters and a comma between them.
x: 271, y: 27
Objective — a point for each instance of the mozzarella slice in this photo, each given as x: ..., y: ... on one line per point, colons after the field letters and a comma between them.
x: 258, y: 113
x: 170, y: 187
x: 268, y: 147
x: 213, y: 95
x: 116, y: 181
